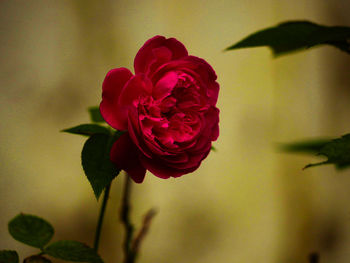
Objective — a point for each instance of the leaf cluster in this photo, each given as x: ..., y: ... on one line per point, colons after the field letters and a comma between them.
x: 294, y: 36
x: 99, y: 170
x: 37, y: 232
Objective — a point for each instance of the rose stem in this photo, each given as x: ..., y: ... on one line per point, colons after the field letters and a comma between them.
x: 101, y: 216
x: 124, y: 215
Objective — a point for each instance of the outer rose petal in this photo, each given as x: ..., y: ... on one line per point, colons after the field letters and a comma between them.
x: 210, y: 131
x: 212, y: 118
x: 161, y: 170
x: 124, y: 155
x: 157, y: 168
x: 158, y: 50
x: 112, y: 86
x: 207, y: 71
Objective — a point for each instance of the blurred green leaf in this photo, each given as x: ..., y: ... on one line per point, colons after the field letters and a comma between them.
x: 297, y: 35
x: 95, y: 114
x: 87, y: 129
x: 96, y: 163
x: 36, y: 259
x: 31, y: 230
x: 337, y: 152
x: 8, y: 256
x: 73, y: 251
x: 308, y: 146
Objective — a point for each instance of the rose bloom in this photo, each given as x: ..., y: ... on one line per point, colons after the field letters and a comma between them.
x: 167, y: 110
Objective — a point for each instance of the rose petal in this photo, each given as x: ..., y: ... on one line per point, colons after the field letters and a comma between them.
x: 202, y: 67
x: 165, y: 85
x: 161, y: 170
x: 194, y: 160
x: 157, y: 168
x: 111, y: 88
x: 156, y: 49
x: 197, y: 68
x: 135, y: 132
x: 176, y: 159
x: 139, y: 85
x: 210, y: 131
x: 124, y: 154
x: 212, y: 117
x: 213, y: 93
x: 208, y: 76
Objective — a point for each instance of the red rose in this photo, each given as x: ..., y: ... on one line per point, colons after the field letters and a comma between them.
x: 167, y: 108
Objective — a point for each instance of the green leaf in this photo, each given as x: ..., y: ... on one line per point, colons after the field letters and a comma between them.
x: 31, y: 230
x: 87, y: 129
x: 95, y: 159
x: 72, y: 251
x: 337, y: 152
x: 297, y: 35
x: 36, y: 259
x: 95, y: 114
x: 8, y: 256
x: 309, y: 146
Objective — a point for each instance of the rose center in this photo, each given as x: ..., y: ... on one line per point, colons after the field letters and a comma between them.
x: 174, y: 120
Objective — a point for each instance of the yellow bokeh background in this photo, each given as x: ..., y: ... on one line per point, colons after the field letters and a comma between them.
x: 247, y: 202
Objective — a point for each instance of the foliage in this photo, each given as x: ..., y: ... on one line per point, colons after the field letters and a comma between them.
x: 88, y: 129
x: 337, y: 151
x: 37, y: 232
x: 307, y: 146
x: 95, y: 115
x: 294, y: 36
x: 297, y: 35
x: 31, y: 230
x: 99, y: 170
x: 72, y: 251
x: 8, y: 256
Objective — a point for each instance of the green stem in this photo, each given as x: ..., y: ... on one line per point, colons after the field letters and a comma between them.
x: 101, y: 216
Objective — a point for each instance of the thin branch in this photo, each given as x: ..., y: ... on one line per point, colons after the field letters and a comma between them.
x: 124, y: 216
x: 131, y: 246
x: 143, y: 231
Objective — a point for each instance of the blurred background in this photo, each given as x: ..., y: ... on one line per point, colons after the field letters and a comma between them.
x: 248, y: 202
